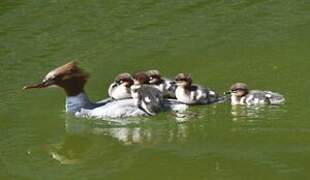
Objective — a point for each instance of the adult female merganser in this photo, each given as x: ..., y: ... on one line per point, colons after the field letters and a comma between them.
x: 120, y: 88
x: 73, y: 79
x: 166, y: 86
x: 193, y: 94
x: 146, y: 97
x: 240, y: 94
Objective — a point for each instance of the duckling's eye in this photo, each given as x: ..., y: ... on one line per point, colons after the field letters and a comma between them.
x: 181, y: 79
x: 155, y: 77
x: 237, y: 89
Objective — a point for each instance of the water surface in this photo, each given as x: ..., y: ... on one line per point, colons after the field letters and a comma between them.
x: 262, y: 42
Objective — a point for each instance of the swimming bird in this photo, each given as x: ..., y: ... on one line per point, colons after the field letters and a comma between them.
x: 240, y: 94
x: 120, y: 88
x: 146, y: 97
x: 165, y: 85
x: 188, y: 93
x: 72, y: 79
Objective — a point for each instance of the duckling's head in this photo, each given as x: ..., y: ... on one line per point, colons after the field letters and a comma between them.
x: 68, y: 76
x: 141, y: 78
x: 154, y: 75
x: 125, y: 79
x: 239, y: 89
x: 183, y: 79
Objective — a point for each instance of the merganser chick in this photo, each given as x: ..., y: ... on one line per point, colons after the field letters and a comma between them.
x: 146, y: 97
x: 193, y: 94
x: 139, y: 79
x: 240, y: 94
x: 120, y: 88
x: 166, y: 86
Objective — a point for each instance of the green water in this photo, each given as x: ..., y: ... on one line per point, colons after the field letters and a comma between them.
x: 262, y: 42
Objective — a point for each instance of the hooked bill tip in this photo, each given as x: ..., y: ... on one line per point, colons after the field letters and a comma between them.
x: 26, y: 87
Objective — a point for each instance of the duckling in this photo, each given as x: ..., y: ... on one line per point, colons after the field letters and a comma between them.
x: 193, y: 94
x: 240, y: 94
x: 166, y: 86
x: 120, y: 88
x: 146, y: 97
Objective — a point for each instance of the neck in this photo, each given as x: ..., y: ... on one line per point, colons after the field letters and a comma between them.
x: 157, y: 82
x: 188, y: 87
x: 237, y: 100
x: 76, y: 97
x: 73, y: 86
x: 77, y: 102
x: 74, y: 90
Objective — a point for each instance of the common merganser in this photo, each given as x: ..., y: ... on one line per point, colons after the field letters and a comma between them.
x: 193, y: 94
x: 140, y: 79
x: 120, y: 88
x: 147, y: 97
x: 73, y: 79
x: 240, y: 94
x: 166, y: 86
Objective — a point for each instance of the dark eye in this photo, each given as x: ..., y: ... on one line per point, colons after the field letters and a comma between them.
x: 237, y: 89
x: 181, y: 79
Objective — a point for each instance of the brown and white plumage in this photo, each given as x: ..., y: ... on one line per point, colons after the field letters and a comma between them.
x: 120, y: 88
x: 240, y: 94
x: 188, y: 93
x: 166, y: 86
x: 147, y: 97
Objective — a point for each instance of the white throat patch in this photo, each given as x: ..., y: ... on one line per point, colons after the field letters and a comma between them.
x: 75, y: 103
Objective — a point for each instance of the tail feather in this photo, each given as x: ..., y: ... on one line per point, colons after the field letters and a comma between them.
x: 274, y: 98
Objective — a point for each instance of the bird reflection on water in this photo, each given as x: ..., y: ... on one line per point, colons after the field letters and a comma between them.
x: 254, y: 112
x: 141, y: 131
x: 81, y: 135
